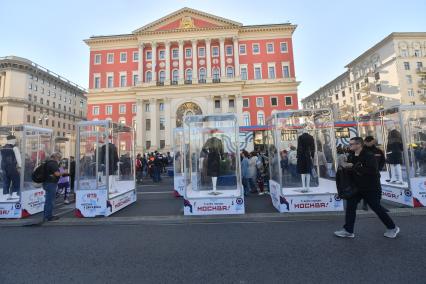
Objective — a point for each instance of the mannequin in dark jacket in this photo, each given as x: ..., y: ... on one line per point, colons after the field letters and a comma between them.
x: 305, y: 155
x: 214, y: 146
x: 394, y: 155
x: 112, y: 163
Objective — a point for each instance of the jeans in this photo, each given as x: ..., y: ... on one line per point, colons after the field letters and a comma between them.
x: 245, y: 185
x: 157, y: 177
x: 11, y: 177
x: 252, y: 184
x: 50, y: 189
x: 373, y: 200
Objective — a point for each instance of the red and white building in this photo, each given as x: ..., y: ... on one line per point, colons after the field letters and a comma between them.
x: 191, y: 62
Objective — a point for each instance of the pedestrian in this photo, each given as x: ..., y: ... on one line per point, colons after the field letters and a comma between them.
x: 252, y: 172
x: 158, y: 164
x: 52, y: 175
x: 138, y: 169
x: 63, y: 183
x: 292, y: 163
x: 365, y: 180
x: 284, y: 167
x: 245, y: 171
x: 72, y: 175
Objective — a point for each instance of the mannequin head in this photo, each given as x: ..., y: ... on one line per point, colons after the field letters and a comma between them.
x: 11, y: 139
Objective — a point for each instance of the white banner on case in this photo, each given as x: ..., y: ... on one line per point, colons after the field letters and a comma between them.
x: 179, y: 184
x: 119, y: 202
x: 33, y: 200
x: 214, y: 206
x: 92, y: 203
x: 10, y: 210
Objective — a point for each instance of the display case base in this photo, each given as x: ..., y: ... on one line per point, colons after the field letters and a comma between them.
x: 179, y: 185
x: 31, y: 202
x: 319, y: 199
x: 411, y: 197
x: 214, y: 206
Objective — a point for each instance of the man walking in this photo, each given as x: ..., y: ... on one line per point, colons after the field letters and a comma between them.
x: 366, y: 180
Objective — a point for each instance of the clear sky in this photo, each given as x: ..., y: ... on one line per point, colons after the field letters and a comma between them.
x: 329, y: 34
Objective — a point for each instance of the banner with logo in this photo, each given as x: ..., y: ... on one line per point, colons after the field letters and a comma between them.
x: 92, y: 203
x: 33, y: 200
x: 179, y: 184
x: 119, y: 202
x: 398, y: 195
x: 418, y: 186
x: 214, y: 206
x: 10, y: 210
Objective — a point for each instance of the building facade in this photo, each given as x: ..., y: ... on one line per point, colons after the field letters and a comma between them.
x: 31, y: 94
x: 391, y: 72
x: 190, y: 62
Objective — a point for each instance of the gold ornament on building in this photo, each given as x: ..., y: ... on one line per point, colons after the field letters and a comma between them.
x: 187, y: 23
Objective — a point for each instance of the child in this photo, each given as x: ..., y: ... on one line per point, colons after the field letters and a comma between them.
x: 64, y: 183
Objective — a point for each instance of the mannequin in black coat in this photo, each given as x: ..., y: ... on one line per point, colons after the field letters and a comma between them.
x: 214, y: 146
x: 305, y: 155
x: 394, y: 155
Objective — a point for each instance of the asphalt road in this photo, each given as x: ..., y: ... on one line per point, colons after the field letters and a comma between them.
x: 222, y: 252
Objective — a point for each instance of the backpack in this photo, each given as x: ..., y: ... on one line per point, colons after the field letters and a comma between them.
x: 345, y: 187
x: 39, y: 173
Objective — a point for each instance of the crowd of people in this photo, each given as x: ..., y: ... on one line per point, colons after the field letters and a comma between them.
x: 254, y: 172
x: 153, y: 165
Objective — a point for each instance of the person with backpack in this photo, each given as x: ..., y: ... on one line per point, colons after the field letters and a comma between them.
x: 50, y: 183
x: 365, y: 181
x: 11, y: 166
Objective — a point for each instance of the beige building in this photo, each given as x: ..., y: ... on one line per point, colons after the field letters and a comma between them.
x: 392, y: 72
x: 32, y: 94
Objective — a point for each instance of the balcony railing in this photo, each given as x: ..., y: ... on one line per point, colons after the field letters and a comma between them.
x: 216, y: 80
x: 202, y: 81
x: 422, y: 84
x: 160, y: 83
x: 188, y: 82
x: 421, y: 70
x: 174, y: 82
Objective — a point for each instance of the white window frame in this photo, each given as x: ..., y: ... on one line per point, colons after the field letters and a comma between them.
x: 257, y: 65
x: 106, y: 110
x: 263, y: 117
x: 233, y: 71
x: 245, y: 49
x: 133, y: 56
x: 125, y: 76
x: 285, y: 64
x: 188, y: 48
x: 108, y: 55
x: 110, y: 74
x: 273, y: 48
x: 226, y: 50
x: 146, y: 55
x: 96, y: 76
x: 286, y: 44
x: 218, y: 51
x: 164, y: 52
x: 159, y: 75
x: 121, y: 54
x: 263, y: 102
x: 134, y: 108
x: 243, y: 66
x: 199, y: 73
x: 177, y: 72
x: 252, y: 48
x: 199, y: 53
x: 246, y: 114
x: 119, y: 108
x: 135, y: 73
x: 177, y: 53
x: 272, y: 64
x: 285, y: 100
x: 270, y: 100
x: 97, y: 55
x: 146, y: 76
x: 186, y: 74
x: 248, y: 102
x: 97, y: 110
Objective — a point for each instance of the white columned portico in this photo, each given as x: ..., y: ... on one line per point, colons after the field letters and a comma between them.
x: 225, y: 103
x: 194, y: 61
x: 139, y: 125
x: 168, y: 128
x: 222, y: 57
x: 167, y: 54
x: 236, y: 57
x: 239, y: 108
x: 208, y: 60
x: 140, y: 64
x: 181, y: 75
x: 154, y: 61
x: 153, y: 108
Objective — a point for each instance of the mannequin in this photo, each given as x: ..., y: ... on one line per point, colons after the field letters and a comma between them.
x: 11, y: 164
x: 214, y: 147
x: 394, y: 155
x: 112, y: 162
x: 305, y: 155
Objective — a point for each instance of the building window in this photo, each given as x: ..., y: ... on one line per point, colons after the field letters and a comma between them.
x: 216, y: 73
x: 133, y: 108
x: 404, y: 53
x: 378, y: 88
x: 175, y: 75
x: 257, y: 73
x: 271, y: 72
x: 122, y: 121
x: 417, y: 53
x: 217, y: 104
x: 409, y: 79
x: 147, y: 108
x: 162, y: 54
x: 188, y: 52
x: 259, y: 102
x: 123, y: 57
x: 231, y: 103
x: 161, y: 106
x: 148, y: 124
x: 260, y: 118
x: 228, y: 50
x: 202, y: 74
x: 135, y: 79
x: 97, y: 59
x: 28, y: 118
x: 162, y: 76
x: 122, y: 109
x: 243, y: 73
x: 286, y: 72
x: 246, y: 119
x: 245, y: 102
x: 243, y: 49
x: 283, y: 47
x: 201, y: 52
x: 288, y: 101
x: 419, y: 65
x: 162, y: 144
x: 274, y: 101
x: 162, y: 123
x: 123, y: 81
x: 175, y: 53
x: 97, y: 82
x: 230, y: 72
x: 108, y: 109
x: 148, y: 55
x: 95, y: 110
x: 110, y: 58
x: 410, y: 92
x: 135, y: 56
x: 255, y: 48
x: 407, y: 65
x: 110, y: 81
x: 270, y: 47
x: 188, y: 75
x: 148, y: 144
x: 215, y: 51
x: 148, y: 76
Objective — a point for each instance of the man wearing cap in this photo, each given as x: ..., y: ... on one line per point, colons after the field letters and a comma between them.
x: 11, y: 165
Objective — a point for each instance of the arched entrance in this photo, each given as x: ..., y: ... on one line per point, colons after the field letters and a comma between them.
x: 188, y: 108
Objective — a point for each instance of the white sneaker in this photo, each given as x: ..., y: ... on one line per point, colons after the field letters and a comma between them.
x: 261, y: 193
x: 66, y: 201
x: 344, y: 234
x: 392, y: 233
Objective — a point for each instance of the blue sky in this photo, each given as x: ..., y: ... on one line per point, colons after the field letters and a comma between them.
x: 329, y: 35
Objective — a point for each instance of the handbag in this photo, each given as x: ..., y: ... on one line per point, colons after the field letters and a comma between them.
x: 345, y: 187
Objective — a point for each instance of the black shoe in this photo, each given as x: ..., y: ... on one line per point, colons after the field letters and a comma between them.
x: 53, y: 218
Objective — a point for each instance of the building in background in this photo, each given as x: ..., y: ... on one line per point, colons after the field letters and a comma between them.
x: 32, y: 94
x: 391, y: 72
x: 191, y: 62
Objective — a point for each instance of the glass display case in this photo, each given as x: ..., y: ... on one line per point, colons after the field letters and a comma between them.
x: 212, y: 165
x: 178, y: 167
x: 23, y: 148
x: 401, y: 133
x: 302, y: 160
x: 105, y: 170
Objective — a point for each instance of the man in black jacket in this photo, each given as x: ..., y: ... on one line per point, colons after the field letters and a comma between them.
x: 366, y: 179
